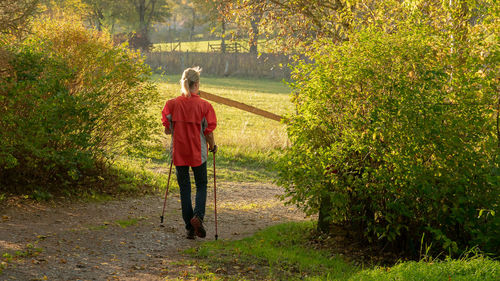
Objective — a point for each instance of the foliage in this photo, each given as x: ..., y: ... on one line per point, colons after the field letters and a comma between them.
x: 68, y: 99
x: 146, y: 12
x: 15, y: 13
x: 395, y: 133
x: 281, y: 252
x: 136, y: 16
x: 295, y: 25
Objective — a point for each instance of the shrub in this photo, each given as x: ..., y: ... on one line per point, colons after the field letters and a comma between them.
x: 395, y: 136
x: 68, y: 99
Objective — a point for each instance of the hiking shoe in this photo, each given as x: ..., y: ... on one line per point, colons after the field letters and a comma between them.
x: 190, y: 233
x: 199, y: 230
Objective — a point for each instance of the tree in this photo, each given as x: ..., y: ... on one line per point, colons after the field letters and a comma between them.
x: 289, y: 23
x: 15, y: 13
x: 395, y: 134
x: 295, y: 25
x: 215, y: 11
x: 257, y: 13
x: 146, y: 12
x: 132, y: 15
x: 101, y: 13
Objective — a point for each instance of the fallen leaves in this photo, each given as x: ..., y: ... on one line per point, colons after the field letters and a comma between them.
x: 138, y: 267
x: 41, y: 237
x: 38, y: 261
x: 220, y: 270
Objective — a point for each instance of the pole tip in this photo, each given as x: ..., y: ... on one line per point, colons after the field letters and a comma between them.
x: 216, y: 236
x: 161, y: 219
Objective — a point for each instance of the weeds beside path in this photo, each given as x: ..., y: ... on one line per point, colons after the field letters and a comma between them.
x: 123, y: 240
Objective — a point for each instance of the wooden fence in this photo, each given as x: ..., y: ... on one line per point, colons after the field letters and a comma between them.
x: 272, y: 66
x: 234, y: 47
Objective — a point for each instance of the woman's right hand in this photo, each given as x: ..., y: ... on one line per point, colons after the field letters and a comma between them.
x: 213, y: 149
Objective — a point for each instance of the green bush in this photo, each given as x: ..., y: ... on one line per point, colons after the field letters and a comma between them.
x: 68, y: 98
x: 395, y: 135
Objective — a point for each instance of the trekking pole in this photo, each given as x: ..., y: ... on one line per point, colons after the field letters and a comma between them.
x: 166, y: 192
x: 215, y: 200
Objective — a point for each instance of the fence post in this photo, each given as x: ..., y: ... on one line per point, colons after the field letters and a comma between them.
x: 182, y: 62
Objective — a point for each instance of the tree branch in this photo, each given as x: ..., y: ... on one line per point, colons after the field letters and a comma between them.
x: 149, y: 19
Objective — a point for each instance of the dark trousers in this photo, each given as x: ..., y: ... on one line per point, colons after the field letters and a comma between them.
x: 200, y: 178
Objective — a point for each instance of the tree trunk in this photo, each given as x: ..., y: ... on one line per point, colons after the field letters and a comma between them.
x: 192, y: 25
x: 98, y: 18
x: 223, y: 37
x: 254, y: 35
x: 141, y: 38
x: 172, y: 28
x: 324, y: 208
x: 141, y: 10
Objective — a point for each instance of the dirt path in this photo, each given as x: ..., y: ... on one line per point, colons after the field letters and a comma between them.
x: 123, y: 240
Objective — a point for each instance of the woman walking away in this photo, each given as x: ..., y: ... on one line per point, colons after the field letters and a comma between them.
x: 191, y: 122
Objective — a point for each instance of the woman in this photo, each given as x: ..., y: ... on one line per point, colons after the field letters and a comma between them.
x: 191, y: 122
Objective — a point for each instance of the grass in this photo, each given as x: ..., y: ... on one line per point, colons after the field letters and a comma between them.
x: 29, y: 252
x: 202, y: 46
x: 476, y: 268
x: 281, y: 253
x: 127, y: 223
x: 277, y: 252
x: 240, y: 130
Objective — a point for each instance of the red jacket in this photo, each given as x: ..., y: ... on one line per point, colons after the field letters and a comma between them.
x: 190, y: 120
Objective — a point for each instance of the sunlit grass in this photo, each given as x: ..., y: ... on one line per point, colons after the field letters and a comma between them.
x: 281, y: 252
x: 202, y: 46
x: 476, y: 268
x: 236, y: 128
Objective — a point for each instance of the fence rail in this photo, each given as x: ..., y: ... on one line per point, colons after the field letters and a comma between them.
x: 226, y: 48
x: 168, y: 47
